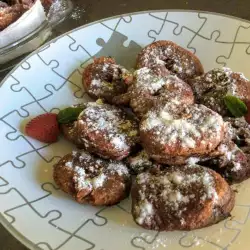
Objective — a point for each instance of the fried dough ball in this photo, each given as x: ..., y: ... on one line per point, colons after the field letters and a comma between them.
x: 180, y: 198
x: 105, y: 130
x: 170, y: 134
x: 92, y: 180
x: 105, y: 79
x: 167, y: 54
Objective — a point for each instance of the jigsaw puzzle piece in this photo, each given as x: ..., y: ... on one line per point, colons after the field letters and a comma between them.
x: 76, y: 243
x: 9, y: 199
x: 112, y: 23
x: 144, y: 241
x: 127, y: 19
x: 13, y: 149
x: 85, y: 64
x: 26, y: 65
x: 126, y: 205
x: 243, y: 236
x: 243, y: 190
x: 66, y: 205
x: 161, y: 241
x: 159, y: 15
x: 86, y: 38
x: 221, y: 24
x: 186, y: 20
x: 27, y: 224
x: 240, y: 215
x: 3, y: 182
x: 202, y: 46
x: 36, y: 172
x: 54, y: 101
x: 63, y: 56
x: 13, y: 98
x: 76, y: 85
x: 56, y: 150
x: 192, y: 241
x: 114, y: 47
x: 17, y: 201
x: 243, y: 34
x: 44, y: 246
x: 167, y: 32
x: 17, y: 123
x: 137, y: 32
x: 28, y: 77
x: 238, y: 59
x: 240, y: 223
x: 218, y: 236
x: 120, y: 226
x: 214, y: 237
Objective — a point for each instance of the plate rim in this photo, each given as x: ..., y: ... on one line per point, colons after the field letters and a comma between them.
x: 13, y: 231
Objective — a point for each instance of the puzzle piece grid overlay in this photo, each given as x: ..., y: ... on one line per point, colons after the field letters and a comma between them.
x: 63, y: 78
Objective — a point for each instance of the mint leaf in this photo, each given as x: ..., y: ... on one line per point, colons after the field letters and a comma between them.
x: 69, y: 114
x: 236, y: 107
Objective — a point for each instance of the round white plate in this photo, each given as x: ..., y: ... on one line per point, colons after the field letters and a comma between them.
x: 31, y: 206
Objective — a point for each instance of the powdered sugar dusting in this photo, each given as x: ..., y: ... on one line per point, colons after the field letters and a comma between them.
x: 146, y: 211
x: 176, y: 178
x: 176, y: 192
x: 152, y: 87
x: 80, y: 179
x: 148, y: 80
x: 208, y: 181
x: 110, y: 125
x: 69, y: 164
x: 91, y: 172
x: 105, y: 79
x: 141, y: 162
x: 119, y: 142
x: 174, y: 58
x: 187, y: 127
x: 118, y: 168
x: 211, y: 88
x: 242, y: 76
x: 99, y: 180
x: 233, y: 159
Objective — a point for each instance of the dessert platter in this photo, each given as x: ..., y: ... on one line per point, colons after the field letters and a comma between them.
x: 116, y: 138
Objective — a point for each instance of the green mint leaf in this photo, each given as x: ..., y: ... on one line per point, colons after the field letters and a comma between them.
x: 69, y: 114
x: 236, y: 107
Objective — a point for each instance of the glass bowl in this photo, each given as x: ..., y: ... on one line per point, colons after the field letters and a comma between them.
x: 11, y: 54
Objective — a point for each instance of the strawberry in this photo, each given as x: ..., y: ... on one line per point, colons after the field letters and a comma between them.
x: 44, y: 128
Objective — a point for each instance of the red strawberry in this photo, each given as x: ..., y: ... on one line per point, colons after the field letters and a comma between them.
x: 44, y: 128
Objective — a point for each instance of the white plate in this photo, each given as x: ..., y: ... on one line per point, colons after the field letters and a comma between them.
x: 31, y: 207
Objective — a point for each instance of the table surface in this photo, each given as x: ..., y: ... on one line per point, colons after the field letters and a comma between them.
x: 92, y: 10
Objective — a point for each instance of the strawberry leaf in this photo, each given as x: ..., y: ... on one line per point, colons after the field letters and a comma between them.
x: 236, y: 107
x: 69, y: 114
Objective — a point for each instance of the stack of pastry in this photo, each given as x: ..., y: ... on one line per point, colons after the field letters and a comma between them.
x: 167, y: 124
